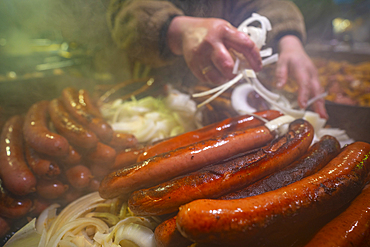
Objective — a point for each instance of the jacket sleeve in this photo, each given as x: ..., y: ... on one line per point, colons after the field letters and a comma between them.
x: 285, y: 17
x: 139, y: 27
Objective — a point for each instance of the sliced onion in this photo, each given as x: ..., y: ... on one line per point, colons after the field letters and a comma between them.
x: 239, y: 99
x: 49, y: 213
x: 280, y: 124
x: 139, y: 234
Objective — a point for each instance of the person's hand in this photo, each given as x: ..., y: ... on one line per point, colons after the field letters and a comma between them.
x: 294, y: 61
x: 205, y: 45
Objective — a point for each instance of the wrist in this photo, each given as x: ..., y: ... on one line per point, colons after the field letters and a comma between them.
x: 174, y: 35
x: 289, y: 42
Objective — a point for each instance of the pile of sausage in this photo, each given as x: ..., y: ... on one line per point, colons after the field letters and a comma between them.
x: 57, y: 152
x: 236, y: 183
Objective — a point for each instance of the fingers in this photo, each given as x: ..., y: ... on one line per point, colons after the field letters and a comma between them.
x: 304, y: 90
x: 319, y: 105
x: 244, y: 45
x: 309, y: 86
x: 281, y: 72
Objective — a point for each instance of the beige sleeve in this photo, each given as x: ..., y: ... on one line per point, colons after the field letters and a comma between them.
x: 137, y: 28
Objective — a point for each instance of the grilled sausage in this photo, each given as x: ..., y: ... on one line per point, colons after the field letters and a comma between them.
x: 75, y: 133
x: 316, y: 158
x: 122, y: 141
x: 50, y: 189
x: 219, y: 179
x: 102, y: 155
x: 127, y: 157
x: 167, y: 235
x: 350, y: 228
x: 4, y: 227
x: 12, y: 207
x: 14, y: 171
x: 79, y: 176
x: 267, y: 218
x: 209, y: 131
x: 39, y: 205
x: 91, y: 107
x: 38, y: 135
x: 183, y: 160
x: 319, y: 155
x: 71, y: 159
x: 41, y: 166
x: 76, y: 106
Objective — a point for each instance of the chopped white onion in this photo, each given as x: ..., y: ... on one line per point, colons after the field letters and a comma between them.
x: 151, y: 119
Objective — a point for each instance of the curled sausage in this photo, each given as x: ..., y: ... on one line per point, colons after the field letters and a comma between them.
x: 71, y: 159
x: 4, y: 227
x: 79, y: 176
x: 316, y: 158
x: 76, y: 106
x: 85, y: 99
x: 102, y: 155
x: 350, y: 228
x: 122, y: 141
x: 14, y: 171
x: 183, y: 160
x: 269, y: 217
x: 209, y: 131
x: 38, y: 135
x: 166, y: 235
x: 126, y: 157
x: 219, y: 179
x: 12, y: 207
x: 75, y: 133
x: 41, y: 166
x: 50, y: 189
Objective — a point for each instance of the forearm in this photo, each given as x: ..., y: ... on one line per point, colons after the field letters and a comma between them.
x: 137, y: 27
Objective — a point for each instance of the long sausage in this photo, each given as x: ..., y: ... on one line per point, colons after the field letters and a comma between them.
x: 209, y: 131
x: 12, y: 207
x: 38, y: 135
x: 350, y: 228
x: 14, y: 171
x: 75, y: 133
x: 167, y: 235
x: 316, y: 158
x: 269, y: 217
x: 41, y: 166
x: 76, y: 106
x: 219, y: 179
x: 183, y: 160
x: 318, y: 155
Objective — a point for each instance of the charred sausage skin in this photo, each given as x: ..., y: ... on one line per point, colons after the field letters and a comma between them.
x: 183, y: 160
x: 219, y: 179
x: 350, y: 228
x: 263, y: 219
x: 316, y: 158
x: 209, y: 131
